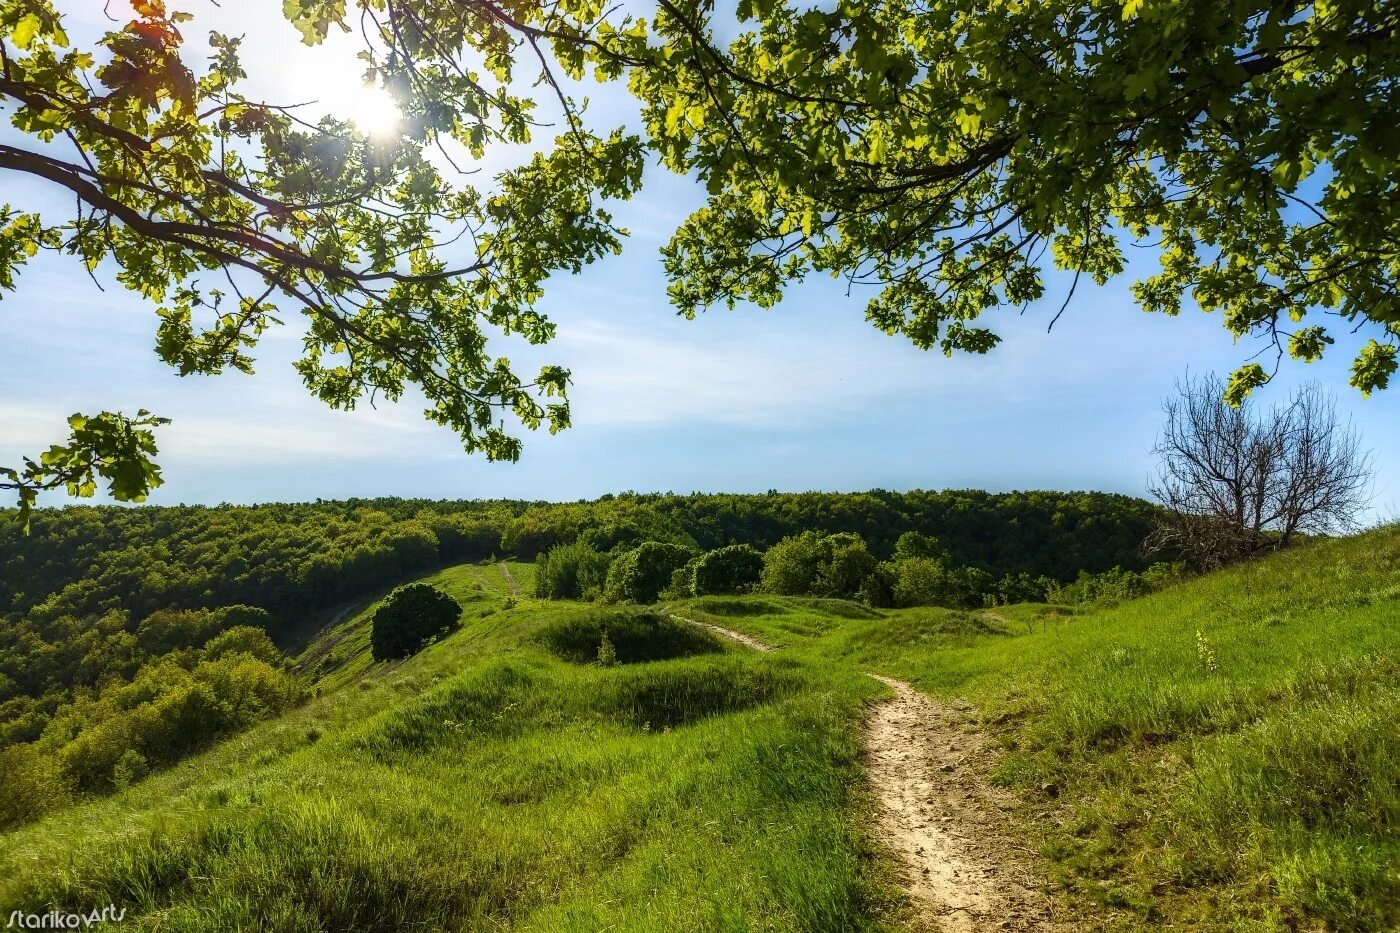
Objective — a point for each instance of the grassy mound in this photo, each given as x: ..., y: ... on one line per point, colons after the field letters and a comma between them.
x: 486, y: 784
x: 736, y: 606
x: 636, y: 635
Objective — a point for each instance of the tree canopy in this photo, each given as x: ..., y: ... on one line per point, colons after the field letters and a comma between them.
x: 229, y: 214
x: 944, y: 154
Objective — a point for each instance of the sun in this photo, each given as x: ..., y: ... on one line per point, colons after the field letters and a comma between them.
x: 375, y: 113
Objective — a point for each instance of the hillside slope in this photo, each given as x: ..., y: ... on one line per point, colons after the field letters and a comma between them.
x: 490, y: 783
x: 1222, y: 755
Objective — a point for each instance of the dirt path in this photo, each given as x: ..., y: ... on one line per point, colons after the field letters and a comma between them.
x: 510, y: 580
x: 746, y: 640
x: 944, y: 822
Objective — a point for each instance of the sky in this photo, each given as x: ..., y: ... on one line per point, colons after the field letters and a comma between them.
x: 804, y: 396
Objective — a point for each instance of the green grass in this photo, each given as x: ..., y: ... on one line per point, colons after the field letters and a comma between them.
x: 486, y: 783
x: 635, y: 636
x: 1222, y: 755
x: 1218, y: 756
x: 339, y: 654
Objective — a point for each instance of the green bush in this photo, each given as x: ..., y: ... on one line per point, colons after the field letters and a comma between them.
x: 1022, y: 588
x: 412, y: 616
x: 130, y: 768
x: 1116, y: 585
x: 912, y: 544
x: 922, y: 581
x: 925, y: 581
x: 33, y: 785
x: 733, y: 569
x: 571, y: 571
x: 639, y: 576
x: 847, y: 565
x: 816, y: 564
x: 791, y: 567
x: 243, y: 639
x: 169, y: 629
x: 877, y: 589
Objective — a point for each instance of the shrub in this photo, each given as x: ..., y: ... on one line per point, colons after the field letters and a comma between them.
x: 791, y: 566
x: 412, y: 616
x: 571, y: 571
x: 33, y: 785
x: 816, y: 564
x: 130, y: 768
x: 243, y: 639
x: 912, y: 544
x: 877, y: 589
x: 607, y: 651
x: 733, y: 569
x: 924, y: 581
x: 1117, y: 585
x: 1022, y: 588
x: 169, y: 629
x: 845, y: 568
x: 639, y: 576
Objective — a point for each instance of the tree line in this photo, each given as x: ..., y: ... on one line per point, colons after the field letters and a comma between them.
x: 920, y: 572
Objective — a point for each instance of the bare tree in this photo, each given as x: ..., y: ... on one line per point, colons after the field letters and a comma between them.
x: 1236, y: 481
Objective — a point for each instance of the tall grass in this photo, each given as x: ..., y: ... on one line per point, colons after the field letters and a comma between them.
x: 485, y: 784
x: 1222, y: 755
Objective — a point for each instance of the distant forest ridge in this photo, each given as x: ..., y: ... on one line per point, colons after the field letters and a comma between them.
x: 291, y: 558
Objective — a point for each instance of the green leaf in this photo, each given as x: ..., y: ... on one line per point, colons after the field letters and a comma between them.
x: 25, y: 30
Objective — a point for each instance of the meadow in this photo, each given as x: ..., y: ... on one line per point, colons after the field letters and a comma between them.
x: 489, y: 783
x: 1220, y: 755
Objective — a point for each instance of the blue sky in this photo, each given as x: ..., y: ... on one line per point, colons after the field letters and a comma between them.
x: 803, y: 396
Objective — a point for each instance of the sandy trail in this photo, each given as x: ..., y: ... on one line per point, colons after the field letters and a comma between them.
x: 936, y: 813
x: 510, y: 580
x: 944, y: 821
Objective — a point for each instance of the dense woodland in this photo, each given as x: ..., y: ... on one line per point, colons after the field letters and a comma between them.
x: 130, y: 636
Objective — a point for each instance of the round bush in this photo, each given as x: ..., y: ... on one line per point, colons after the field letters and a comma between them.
x: 639, y: 576
x: 733, y: 569
x: 412, y: 616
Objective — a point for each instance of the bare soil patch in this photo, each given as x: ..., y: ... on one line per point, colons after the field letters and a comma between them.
x: 945, y: 822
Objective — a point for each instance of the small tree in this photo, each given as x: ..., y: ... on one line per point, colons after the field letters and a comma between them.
x: 1236, y: 480
x: 791, y: 566
x: 640, y: 575
x: 412, y: 616
x: 733, y: 569
x: 571, y: 571
x: 846, y: 568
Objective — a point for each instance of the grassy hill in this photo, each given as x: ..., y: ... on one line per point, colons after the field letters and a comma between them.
x: 487, y: 783
x: 1221, y: 755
